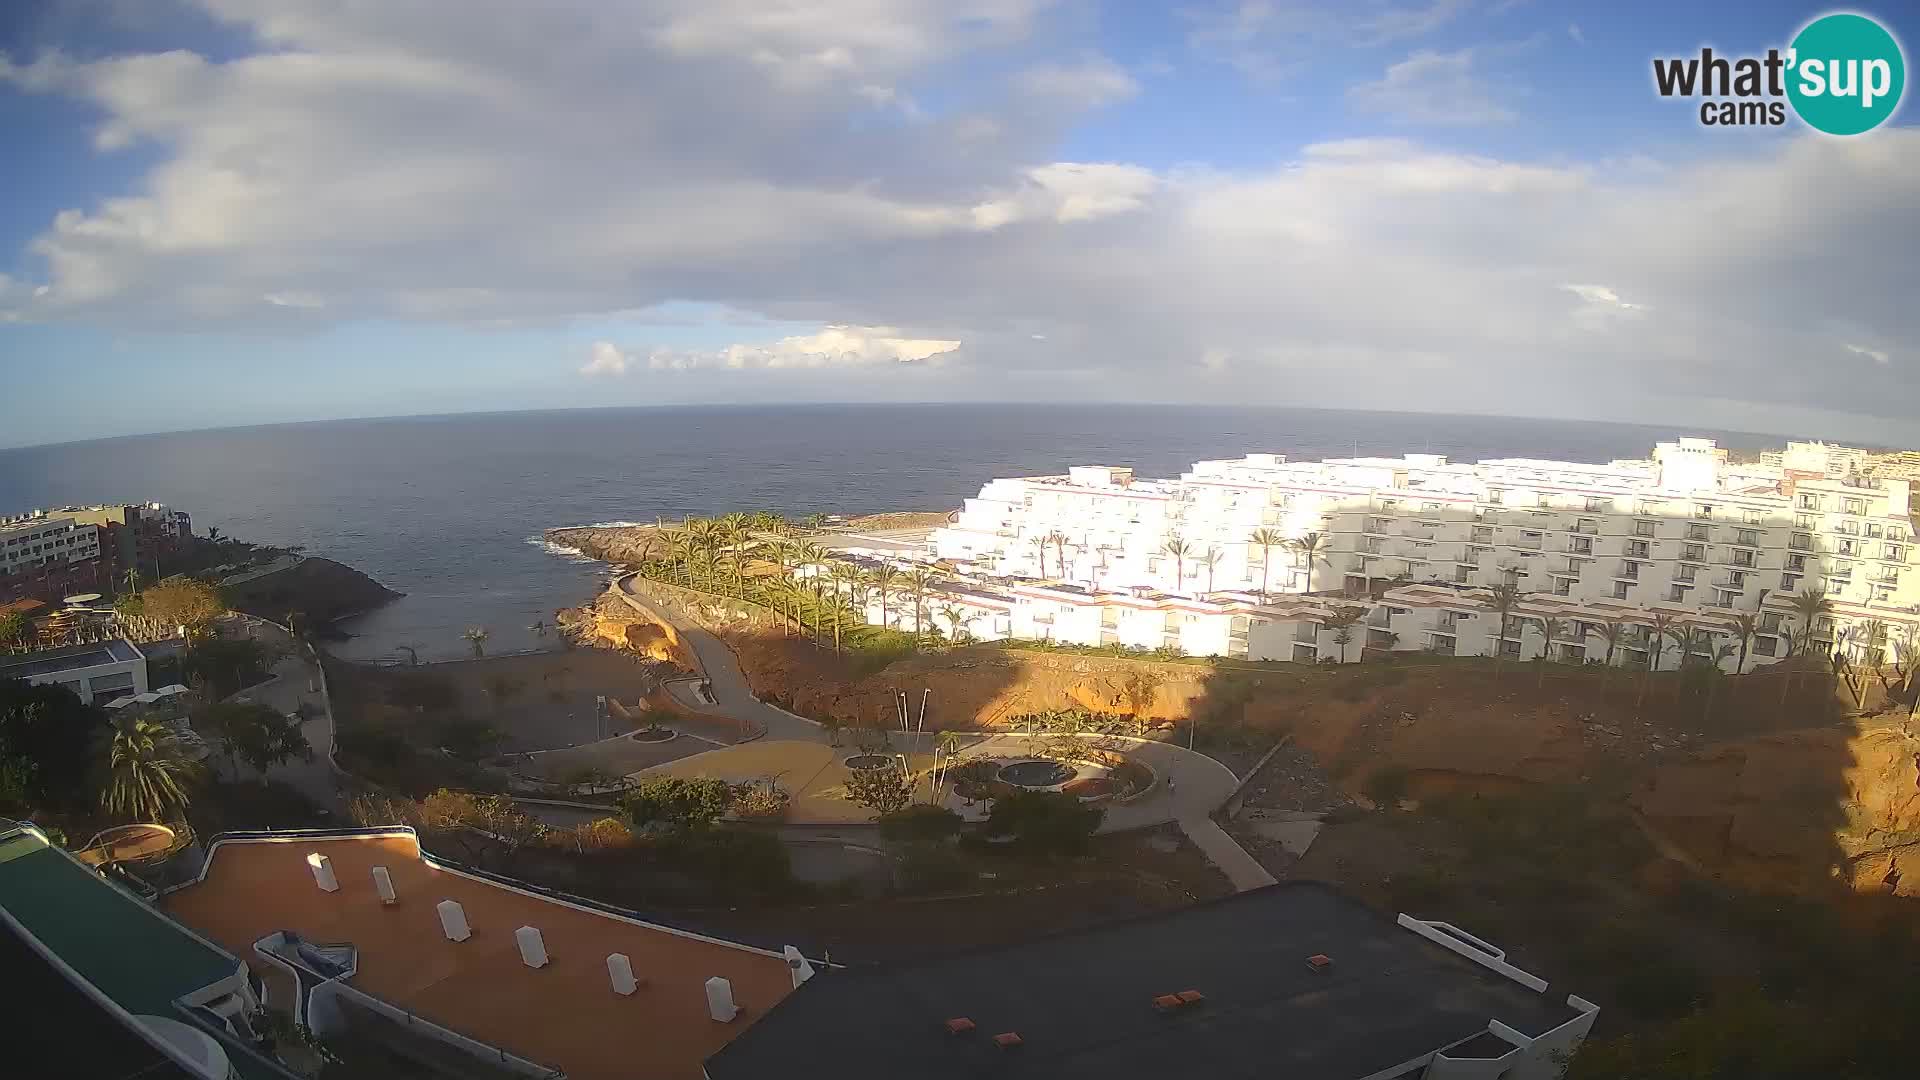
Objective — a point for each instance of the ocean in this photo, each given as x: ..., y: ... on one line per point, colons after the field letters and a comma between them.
x: 450, y: 509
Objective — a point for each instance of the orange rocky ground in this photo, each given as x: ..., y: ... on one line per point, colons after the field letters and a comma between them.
x: 1785, y: 810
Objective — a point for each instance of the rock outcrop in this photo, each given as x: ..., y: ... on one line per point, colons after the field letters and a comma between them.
x: 321, y: 590
x: 1795, y: 810
x: 611, y: 623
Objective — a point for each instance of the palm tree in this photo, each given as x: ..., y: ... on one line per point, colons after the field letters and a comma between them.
x: 1811, y: 605
x: 1550, y: 629
x: 1657, y: 635
x: 917, y: 580
x: 1059, y: 551
x: 886, y: 579
x: 1613, y: 632
x: 1502, y: 598
x: 1745, y: 624
x: 815, y: 521
x: 148, y: 774
x: 1267, y: 539
x: 1040, y: 551
x: 213, y: 534
x: 843, y: 576
x: 680, y: 548
x: 130, y: 579
x: 1210, y: 560
x: 957, y: 619
x: 1179, y: 549
x: 477, y: 637
x: 1307, y: 545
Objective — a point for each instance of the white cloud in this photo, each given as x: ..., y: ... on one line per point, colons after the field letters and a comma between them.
x: 1578, y: 35
x: 1437, y: 88
x: 1272, y: 40
x: 306, y: 300
x: 1092, y: 82
x: 832, y: 346
x: 539, y: 163
x: 1878, y: 356
x: 605, y: 358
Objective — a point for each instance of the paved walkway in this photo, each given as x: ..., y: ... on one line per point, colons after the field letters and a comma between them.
x: 732, y: 697
x: 295, y: 682
x: 1242, y: 869
x: 1192, y: 785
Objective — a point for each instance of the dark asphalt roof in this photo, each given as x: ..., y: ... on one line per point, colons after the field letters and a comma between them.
x: 66, y: 658
x: 1082, y: 1003
x: 53, y: 1029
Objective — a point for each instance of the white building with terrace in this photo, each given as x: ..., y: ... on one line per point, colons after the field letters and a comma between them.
x: 1258, y: 557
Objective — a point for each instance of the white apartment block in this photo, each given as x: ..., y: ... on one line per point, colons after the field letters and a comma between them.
x: 29, y: 543
x: 1089, y: 557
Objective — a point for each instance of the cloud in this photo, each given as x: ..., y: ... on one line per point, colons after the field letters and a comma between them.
x: 1272, y: 40
x: 540, y: 164
x: 1878, y: 356
x: 1088, y: 84
x: 605, y: 358
x: 833, y: 346
x: 306, y: 300
x: 1578, y: 35
x: 1436, y: 88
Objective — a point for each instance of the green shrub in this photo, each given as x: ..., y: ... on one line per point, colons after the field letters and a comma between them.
x: 920, y: 824
x: 677, y: 803
x: 1043, y: 822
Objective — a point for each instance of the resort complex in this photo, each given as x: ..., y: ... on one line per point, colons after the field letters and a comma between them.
x: 1262, y: 558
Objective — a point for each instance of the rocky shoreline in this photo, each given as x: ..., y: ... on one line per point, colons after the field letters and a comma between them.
x: 321, y: 590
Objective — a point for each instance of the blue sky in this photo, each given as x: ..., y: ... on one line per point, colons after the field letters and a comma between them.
x: 224, y: 212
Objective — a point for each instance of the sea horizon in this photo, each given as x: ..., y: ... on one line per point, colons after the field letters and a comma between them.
x: 451, y: 509
x: 722, y: 406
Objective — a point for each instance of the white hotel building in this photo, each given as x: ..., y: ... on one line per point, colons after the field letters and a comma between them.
x: 1416, y: 540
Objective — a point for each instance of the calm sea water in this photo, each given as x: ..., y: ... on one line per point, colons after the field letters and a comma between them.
x: 449, y: 509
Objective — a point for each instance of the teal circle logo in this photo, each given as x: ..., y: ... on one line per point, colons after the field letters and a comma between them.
x: 1845, y: 74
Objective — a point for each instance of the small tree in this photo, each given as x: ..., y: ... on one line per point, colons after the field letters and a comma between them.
x: 180, y: 601
x: 677, y: 803
x: 13, y: 629
x: 1044, y: 822
x: 921, y: 824
x: 884, y: 790
x: 476, y: 636
x: 1342, y: 622
x: 256, y: 734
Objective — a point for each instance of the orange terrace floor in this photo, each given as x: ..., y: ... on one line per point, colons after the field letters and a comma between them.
x: 564, y: 1015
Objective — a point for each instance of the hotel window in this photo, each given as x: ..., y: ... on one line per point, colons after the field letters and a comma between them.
x: 1749, y: 537
x: 1620, y: 590
x: 1882, y: 593
x: 1497, y: 496
x: 1704, y: 510
x: 1677, y: 593
x: 1685, y: 573
x: 1852, y: 506
x: 1599, y: 506
x: 1743, y: 558
x: 1803, y: 521
x: 1800, y: 542
x: 1725, y: 598
x: 1562, y: 586
x: 1809, y: 502
x: 1796, y: 563
x: 1873, y: 531
x: 1698, y: 532
x: 1637, y: 548
x: 1583, y: 545
x: 1895, y: 553
x: 1644, y: 528
x: 1753, y: 517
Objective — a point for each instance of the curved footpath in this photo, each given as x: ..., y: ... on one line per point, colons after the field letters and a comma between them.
x: 1192, y: 785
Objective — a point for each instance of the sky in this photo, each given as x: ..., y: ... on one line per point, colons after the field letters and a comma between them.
x: 224, y: 212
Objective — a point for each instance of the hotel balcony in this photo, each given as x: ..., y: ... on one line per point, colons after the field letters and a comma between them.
x: 1628, y: 571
